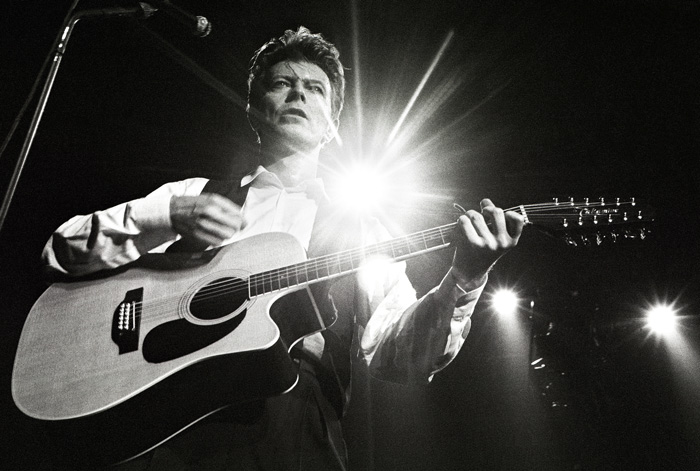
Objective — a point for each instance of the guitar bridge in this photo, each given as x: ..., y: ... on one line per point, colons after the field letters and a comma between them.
x: 126, y: 321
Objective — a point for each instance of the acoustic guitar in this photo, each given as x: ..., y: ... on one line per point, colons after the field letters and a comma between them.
x: 131, y: 359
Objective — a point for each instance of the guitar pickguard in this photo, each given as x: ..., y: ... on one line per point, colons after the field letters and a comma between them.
x: 178, y: 338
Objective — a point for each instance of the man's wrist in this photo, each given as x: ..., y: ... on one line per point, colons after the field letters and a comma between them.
x: 466, y: 283
x: 152, y: 212
x: 456, y: 290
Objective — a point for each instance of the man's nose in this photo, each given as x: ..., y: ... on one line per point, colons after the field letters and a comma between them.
x: 297, y: 92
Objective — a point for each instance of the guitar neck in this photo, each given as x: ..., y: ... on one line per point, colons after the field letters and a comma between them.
x: 350, y: 261
x: 555, y: 216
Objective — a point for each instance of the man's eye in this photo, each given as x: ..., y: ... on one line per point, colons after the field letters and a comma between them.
x: 280, y: 84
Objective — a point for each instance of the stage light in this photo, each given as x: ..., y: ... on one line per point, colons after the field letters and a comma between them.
x: 505, y: 302
x: 661, y: 319
x: 361, y: 187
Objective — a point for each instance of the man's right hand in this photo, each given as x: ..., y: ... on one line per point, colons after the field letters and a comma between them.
x: 208, y: 218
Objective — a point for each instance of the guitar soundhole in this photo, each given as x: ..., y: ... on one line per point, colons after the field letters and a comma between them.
x: 219, y: 298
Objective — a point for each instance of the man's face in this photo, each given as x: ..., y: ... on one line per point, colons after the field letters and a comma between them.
x: 296, y: 106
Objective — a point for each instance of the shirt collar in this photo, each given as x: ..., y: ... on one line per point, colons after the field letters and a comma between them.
x: 314, y: 187
x: 249, y: 178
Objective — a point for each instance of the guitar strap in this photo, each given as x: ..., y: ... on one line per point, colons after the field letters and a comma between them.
x: 334, y: 230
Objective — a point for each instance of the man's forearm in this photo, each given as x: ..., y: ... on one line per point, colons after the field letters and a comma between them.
x: 426, y: 337
x: 116, y: 236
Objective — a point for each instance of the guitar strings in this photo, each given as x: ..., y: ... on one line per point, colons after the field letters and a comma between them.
x: 310, y: 271
x: 283, y: 278
x: 214, y: 290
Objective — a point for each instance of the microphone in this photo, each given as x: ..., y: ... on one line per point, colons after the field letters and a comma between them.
x: 197, y: 25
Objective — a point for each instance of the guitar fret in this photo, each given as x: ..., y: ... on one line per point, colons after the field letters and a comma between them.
x: 413, y: 244
x: 371, y: 250
x: 435, y: 240
x: 276, y: 280
x: 336, y: 270
x: 262, y: 283
x: 393, y: 248
x: 252, y: 287
x: 418, y: 243
x: 347, y: 265
x: 284, y: 278
x: 303, y: 277
x: 324, y: 268
x: 295, y: 274
x: 316, y: 274
x: 267, y: 282
x: 442, y: 237
x: 321, y: 268
x: 403, y: 248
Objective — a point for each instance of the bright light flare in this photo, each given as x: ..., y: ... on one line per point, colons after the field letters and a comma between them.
x: 423, y: 81
x: 662, y: 319
x: 505, y: 302
x: 361, y: 187
x: 373, y: 272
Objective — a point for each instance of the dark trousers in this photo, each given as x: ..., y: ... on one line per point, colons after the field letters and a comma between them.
x: 299, y: 430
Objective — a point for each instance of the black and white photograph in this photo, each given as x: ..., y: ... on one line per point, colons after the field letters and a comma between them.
x: 357, y: 235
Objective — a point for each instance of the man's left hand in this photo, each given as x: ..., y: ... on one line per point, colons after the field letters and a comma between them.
x: 484, y: 237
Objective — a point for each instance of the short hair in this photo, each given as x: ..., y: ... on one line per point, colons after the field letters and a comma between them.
x: 297, y: 45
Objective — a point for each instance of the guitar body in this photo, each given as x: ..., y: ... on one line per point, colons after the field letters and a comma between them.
x: 145, y: 353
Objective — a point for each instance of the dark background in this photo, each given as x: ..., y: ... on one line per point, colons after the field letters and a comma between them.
x: 530, y: 101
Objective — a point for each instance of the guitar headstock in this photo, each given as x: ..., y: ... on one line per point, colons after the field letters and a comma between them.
x: 590, y: 222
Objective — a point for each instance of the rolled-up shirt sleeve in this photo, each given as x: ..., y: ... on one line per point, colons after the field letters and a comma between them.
x: 116, y: 236
x: 408, y: 340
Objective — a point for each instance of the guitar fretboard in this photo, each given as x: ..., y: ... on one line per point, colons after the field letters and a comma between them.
x: 553, y: 215
x: 346, y: 262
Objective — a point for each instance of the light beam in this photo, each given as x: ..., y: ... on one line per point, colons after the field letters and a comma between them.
x: 421, y: 85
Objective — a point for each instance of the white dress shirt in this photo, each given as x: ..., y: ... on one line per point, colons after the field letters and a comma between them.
x: 121, y: 234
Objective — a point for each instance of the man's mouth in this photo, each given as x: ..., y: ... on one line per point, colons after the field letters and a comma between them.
x: 295, y: 112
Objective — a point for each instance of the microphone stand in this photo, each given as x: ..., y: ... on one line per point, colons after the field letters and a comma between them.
x: 59, y: 48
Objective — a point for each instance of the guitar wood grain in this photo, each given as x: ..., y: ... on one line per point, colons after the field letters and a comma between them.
x: 67, y: 365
